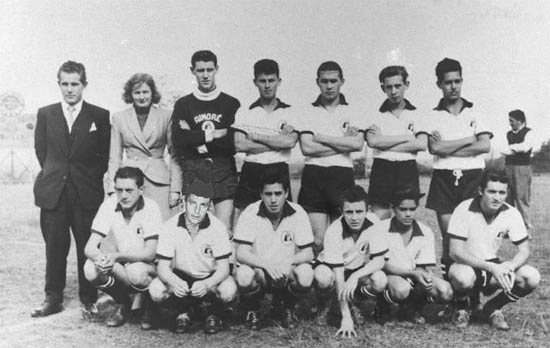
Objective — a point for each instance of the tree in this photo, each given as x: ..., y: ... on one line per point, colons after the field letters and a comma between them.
x: 540, y: 162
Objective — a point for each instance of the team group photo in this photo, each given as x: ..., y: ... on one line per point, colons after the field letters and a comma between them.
x: 234, y: 213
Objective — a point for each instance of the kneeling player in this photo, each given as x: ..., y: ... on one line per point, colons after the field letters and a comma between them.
x: 134, y: 222
x: 193, y: 265
x: 411, y: 259
x: 476, y: 230
x: 355, y: 252
x: 274, y: 249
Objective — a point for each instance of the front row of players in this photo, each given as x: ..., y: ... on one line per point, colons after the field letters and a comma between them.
x: 391, y: 261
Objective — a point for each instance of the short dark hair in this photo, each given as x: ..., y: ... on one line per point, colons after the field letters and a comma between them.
x: 492, y: 174
x: 330, y: 66
x: 130, y: 173
x: 517, y: 115
x: 393, y: 70
x: 273, y: 176
x: 405, y: 192
x: 445, y: 66
x: 204, y: 56
x: 137, y: 80
x: 266, y: 66
x: 354, y: 194
x: 70, y: 67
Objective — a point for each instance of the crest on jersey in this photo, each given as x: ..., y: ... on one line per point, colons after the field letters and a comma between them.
x: 281, y: 125
x: 139, y: 231
x: 473, y: 124
x: 287, y: 238
x: 206, y: 125
x: 206, y: 250
x: 363, y: 248
x: 183, y: 124
x: 411, y: 127
x: 502, y: 234
x: 345, y: 126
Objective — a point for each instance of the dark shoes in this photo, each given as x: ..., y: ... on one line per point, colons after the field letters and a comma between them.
x: 253, y: 320
x: 289, y: 319
x: 183, y: 323
x: 89, y: 311
x: 117, y: 317
x: 382, y: 312
x: 46, y: 308
x: 212, y: 324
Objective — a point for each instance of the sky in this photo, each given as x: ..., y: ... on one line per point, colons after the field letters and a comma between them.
x: 502, y: 45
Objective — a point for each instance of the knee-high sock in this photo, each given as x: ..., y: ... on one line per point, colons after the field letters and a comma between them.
x: 504, y: 298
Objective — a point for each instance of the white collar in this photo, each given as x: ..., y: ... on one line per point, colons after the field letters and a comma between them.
x: 206, y: 96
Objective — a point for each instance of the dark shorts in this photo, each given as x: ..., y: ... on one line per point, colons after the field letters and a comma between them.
x: 386, y: 175
x: 483, y: 278
x: 220, y: 172
x: 187, y: 278
x: 248, y: 190
x: 322, y: 187
x: 448, y: 188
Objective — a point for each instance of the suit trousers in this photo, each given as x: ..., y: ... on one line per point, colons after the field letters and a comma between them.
x: 519, y: 189
x: 56, y: 225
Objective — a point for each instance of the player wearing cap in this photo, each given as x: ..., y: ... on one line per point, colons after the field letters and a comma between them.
x: 328, y: 136
x: 202, y: 138
x: 458, y: 139
x: 395, y: 136
x: 193, y: 266
x: 352, y: 259
x: 411, y: 260
x: 476, y: 231
x: 274, y: 248
x: 264, y: 133
x: 134, y: 222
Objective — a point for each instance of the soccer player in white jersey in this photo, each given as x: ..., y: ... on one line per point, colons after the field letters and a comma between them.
x: 328, y: 135
x: 134, y: 222
x: 352, y: 260
x: 411, y: 259
x: 476, y: 230
x: 458, y: 139
x: 395, y: 136
x: 193, y: 266
x: 264, y: 133
x: 274, y: 248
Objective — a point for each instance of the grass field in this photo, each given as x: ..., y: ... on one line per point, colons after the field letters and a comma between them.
x: 22, y: 280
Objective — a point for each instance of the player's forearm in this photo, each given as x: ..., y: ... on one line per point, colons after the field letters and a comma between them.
x: 391, y: 269
x: 248, y: 258
x: 374, y: 265
x: 142, y: 255
x: 242, y: 144
x: 386, y: 142
x: 313, y: 149
x: 412, y: 146
x: 278, y: 142
x: 165, y: 273
x: 461, y: 255
x: 447, y: 147
x: 340, y: 282
x: 521, y: 257
x: 477, y: 148
x: 220, y: 274
x: 303, y: 256
x: 341, y: 144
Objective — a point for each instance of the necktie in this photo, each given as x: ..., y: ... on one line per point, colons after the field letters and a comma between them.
x: 71, y: 110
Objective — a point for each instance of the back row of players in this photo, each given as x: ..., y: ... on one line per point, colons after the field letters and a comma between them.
x: 203, y: 137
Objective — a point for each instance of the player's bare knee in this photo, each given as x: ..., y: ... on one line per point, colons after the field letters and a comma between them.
x: 227, y: 290
x: 444, y: 292
x: 138, y: 275
x: 304, y: 275
x: 244, y: 276
x: 324, y: 277
x: 158, y: 290
x: 528, y: 277
x: 462, y: 277
x: 378, y: 281
x: 399, y: 291
x: 90, y: 271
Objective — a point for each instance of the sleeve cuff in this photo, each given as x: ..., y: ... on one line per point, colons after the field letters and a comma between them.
x: 372, y: 256
x: 486, y: 132
x: 99, y: 233
x: 425, y: 265
x: 333, y: 265
x: 305, y: 132
x: 162, y: 257
x: 221, y: 257
x: 155, y: 237
x: 301, y: 247
x: 518, y: 242
x: 240, y: 241
x: 454, y: 236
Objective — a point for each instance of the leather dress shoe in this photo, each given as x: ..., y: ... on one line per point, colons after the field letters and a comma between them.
x: 46, y: 308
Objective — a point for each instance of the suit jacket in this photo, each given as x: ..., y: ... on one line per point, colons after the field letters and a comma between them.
x: 144, y: 149
x: 80, y: 156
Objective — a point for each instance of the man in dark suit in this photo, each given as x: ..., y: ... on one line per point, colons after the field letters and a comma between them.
x: 71, y: 143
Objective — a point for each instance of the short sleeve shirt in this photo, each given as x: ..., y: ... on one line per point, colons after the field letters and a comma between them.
x: 420, y: 250
x: 340, y: 250
x: 144, y: 225
x: 316, y: 119
x: 256, y: 119
x: 483, y: 240
x: 451, y: 127
x: 195, y: 256
x: 408, y: 122
x: 292, y: 235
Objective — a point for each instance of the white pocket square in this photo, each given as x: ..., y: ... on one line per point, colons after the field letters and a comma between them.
x: 92, y: 128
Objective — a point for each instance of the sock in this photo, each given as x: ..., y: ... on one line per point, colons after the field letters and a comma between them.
x: 251, y: 299
x: 117, y: 290
x: 461, y: 301
x: 504, y: 298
